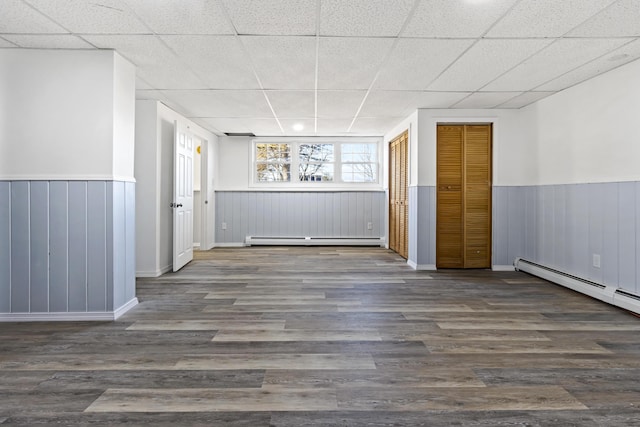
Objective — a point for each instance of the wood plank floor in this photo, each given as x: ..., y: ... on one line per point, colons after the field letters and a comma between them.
x: 297, y: 336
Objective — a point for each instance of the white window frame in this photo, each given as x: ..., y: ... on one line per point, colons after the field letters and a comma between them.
x: 337, y: 183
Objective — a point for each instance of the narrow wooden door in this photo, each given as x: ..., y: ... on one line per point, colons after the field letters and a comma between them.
x: 182, y: 197
x: 463, y: 221
x: 398, y: 195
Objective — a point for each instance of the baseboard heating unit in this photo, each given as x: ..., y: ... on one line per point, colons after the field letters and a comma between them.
x: 606, y: 293
x: 315, y: 241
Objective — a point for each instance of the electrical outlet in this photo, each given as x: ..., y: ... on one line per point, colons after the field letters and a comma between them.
x: 596, y: 260
x: 369, y: 226
x: 224, y: 225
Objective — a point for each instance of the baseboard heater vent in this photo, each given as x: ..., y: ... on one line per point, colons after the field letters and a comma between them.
x: 608, y: 294
x: 314, y: 241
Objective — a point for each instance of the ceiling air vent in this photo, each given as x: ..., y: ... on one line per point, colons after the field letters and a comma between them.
x: 239, y: 134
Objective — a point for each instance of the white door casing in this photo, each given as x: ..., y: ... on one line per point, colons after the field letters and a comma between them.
x: 182, y: 196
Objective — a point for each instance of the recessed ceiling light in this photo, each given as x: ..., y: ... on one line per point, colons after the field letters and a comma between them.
x: 298, y: 127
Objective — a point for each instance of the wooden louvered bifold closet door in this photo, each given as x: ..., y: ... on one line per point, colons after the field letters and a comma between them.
x: 398, y: 195
x: 463, y: 219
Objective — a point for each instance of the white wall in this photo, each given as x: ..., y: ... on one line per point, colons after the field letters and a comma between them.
x: 589, y: 133
x: 57, y: 111
x: 124, y: 102
x: 146, y: 172
x: 235, y: 157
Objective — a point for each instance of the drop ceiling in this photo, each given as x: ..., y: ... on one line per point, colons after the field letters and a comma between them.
x: 339, y: 67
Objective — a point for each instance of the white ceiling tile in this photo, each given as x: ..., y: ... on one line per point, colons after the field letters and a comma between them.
x: 150, y: 94
x: 283, y: 62
x: 486, y: 99
x: 620, y: 19
x: 6, y: 43
x: 328, y: 127
x: 183, y: 17
x: 367, y: 18
x: 388, y: 103
x: 488, y: 58
x: 221, y: 103
x: 524, y: 99
x: 560, y: 57
x: 308, y: 126
x: 455, y: 18
x: 48, y: 41
x: 92, y: 17
x: 219, y: 61
x: 374, y: 126
x: 546, y: 18
x: 259, y: 127
x: 339, y: 104
x: 627, y: 53
x: 350, y: 63
x: 292, y: 104
x: 415, y: 63
x: 207, y: 126
x: 141, y: 84
x: 18, y: 17
x: 273, y: 17
x: 155, y: 63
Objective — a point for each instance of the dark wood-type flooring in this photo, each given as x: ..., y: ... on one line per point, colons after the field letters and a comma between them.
x: 297, y: 336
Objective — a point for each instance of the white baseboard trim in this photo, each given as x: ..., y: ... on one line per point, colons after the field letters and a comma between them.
x: 421, y: 267
x: 503, y: 268
x: 107, y: 316
x: 126, y: 307
x: 229, y: 245
x: 156, y: 273
x: 315, y: 241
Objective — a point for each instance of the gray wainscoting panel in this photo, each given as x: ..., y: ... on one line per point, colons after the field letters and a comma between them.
x: 637, y: 215
x: 558, y: 231
x: 413, y: 234
x: 611, y: 261
x: 97, y: 246
x: 66, y: 246
x: 58, y: 246
x: 130, y: 244
x: 77, y: 259
x: 118, y: 228
x: 596, y: 229
x: 425, y: 226
x: 564, y: 226
x: 20, y: 253
x: 298, y: 214
x: 628, y: 233
x: 5, y: 245
x: 39, y: 246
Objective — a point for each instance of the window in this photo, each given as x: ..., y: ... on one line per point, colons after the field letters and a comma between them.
x: 359, y: 162
x: 316, y: 163
x: 273, y: 162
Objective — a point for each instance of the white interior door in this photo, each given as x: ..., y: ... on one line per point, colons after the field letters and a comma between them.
x: 182, y: 197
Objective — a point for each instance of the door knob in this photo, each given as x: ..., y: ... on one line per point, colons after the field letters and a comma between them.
x: 179, y: 205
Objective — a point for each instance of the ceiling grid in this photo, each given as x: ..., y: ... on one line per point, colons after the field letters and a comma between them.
x: 336, y: 67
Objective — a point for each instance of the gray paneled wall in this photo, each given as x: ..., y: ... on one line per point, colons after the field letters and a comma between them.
x: 66, y: 246
x: 564, y: 226
x: 298, y: 214
x: 422, y: 226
